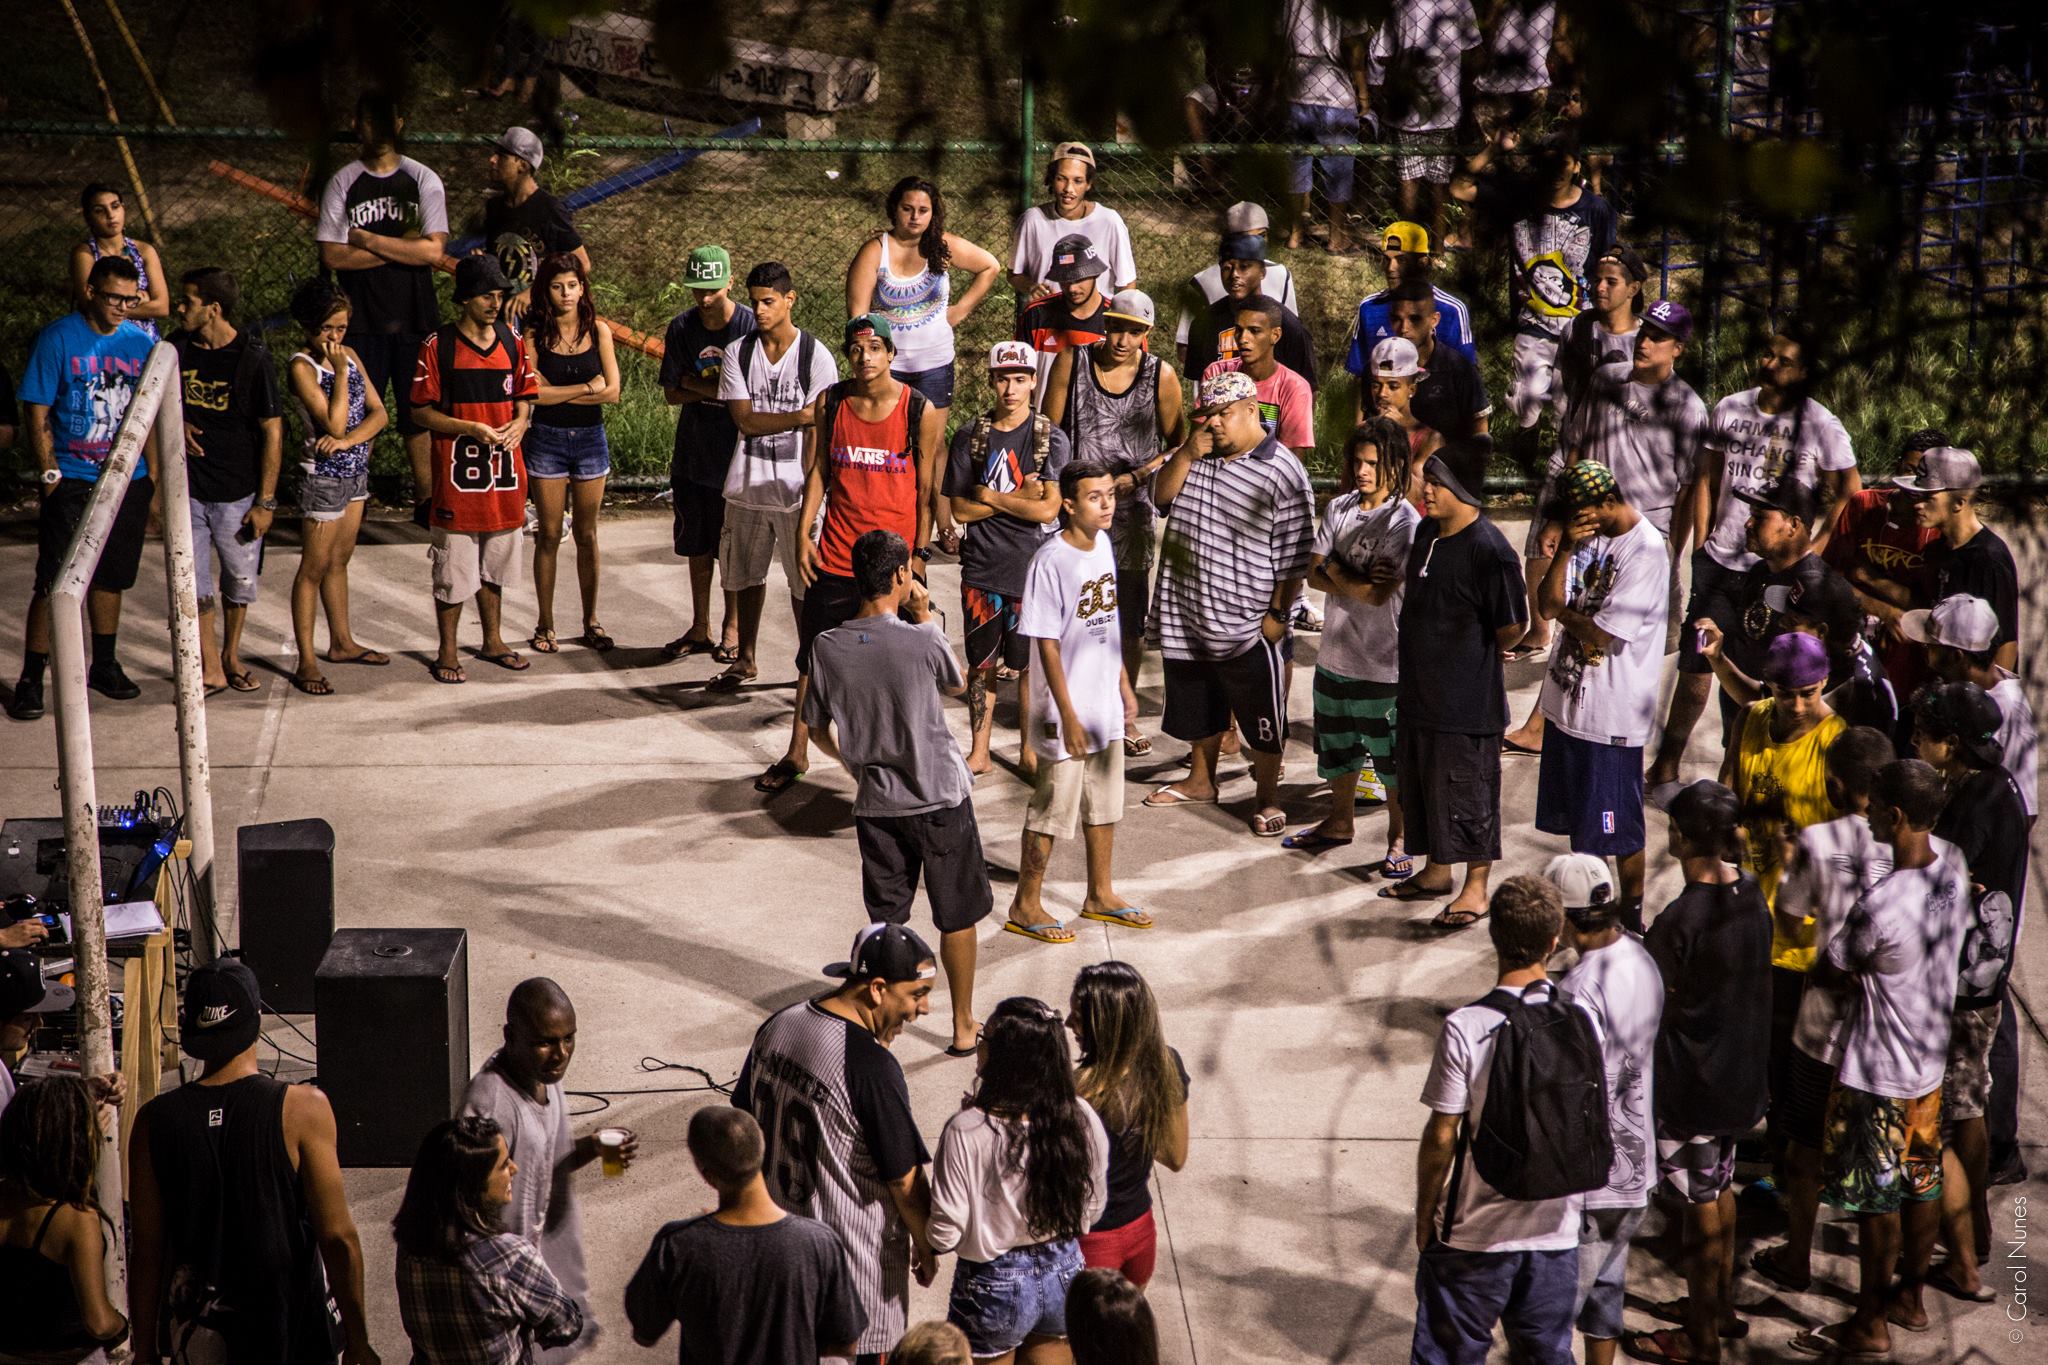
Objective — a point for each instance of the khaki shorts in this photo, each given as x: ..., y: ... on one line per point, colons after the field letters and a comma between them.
x: 1077, y: 791
x: 752, y: 540
x: 463, y: 561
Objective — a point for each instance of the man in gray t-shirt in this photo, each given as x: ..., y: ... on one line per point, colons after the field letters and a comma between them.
x: 878, y: 679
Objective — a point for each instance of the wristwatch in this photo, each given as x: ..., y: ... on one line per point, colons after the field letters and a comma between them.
x: 923, y: 552
x: 52, y: 477
x: 267, y: 504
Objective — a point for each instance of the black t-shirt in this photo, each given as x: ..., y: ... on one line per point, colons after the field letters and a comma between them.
x: 1982, y: 567
x: 1295, y: 349
x: 542, y: 222
x: 10, y: 413
x: 1130, y: 1168
x: 1713, y: 948
x: 1748, y: 623
x: 995, y: 552
x: 1451, y: 396
x: 229, y: 391
x: 746, y: 1295
x: 1460, y: 592
x: 1987, y: 822
x: 705, y: 434
x: 387, y: 299
x: 1859, y: 691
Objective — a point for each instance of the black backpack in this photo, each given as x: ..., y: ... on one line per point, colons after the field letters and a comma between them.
x: 1543, y: 1131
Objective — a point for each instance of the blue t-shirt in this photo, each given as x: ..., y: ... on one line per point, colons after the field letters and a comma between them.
x: 1453, y: 328
x: 86, y: 381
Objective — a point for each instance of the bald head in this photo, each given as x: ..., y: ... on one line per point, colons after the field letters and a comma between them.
x: 535, y: 998
x: 540, y: 1034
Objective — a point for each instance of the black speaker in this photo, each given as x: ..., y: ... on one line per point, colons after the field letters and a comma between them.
x: 393, y: 1012
x: 287, y: 899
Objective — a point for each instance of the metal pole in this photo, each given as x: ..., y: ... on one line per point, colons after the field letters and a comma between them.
x: 209, y: 938
x: 75, y: 773
x: 1027, y: 151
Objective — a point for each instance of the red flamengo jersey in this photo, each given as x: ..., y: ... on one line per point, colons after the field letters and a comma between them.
x: 871, y: 482
x: 476, y: 487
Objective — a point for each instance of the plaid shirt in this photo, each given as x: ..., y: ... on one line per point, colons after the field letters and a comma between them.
x: 487, y: 1307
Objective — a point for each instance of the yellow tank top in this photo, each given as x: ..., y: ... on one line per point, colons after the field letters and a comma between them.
x: 1783, y: 789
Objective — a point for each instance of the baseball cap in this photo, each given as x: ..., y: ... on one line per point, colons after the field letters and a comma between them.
x: 1795, y: 659
x: 1586, y: 484
x: 1582, y: 881
x: 1966, y: 711
x: 1245, y: 216
x: 868, y: 324
x: 1219, y: 391
x: 1242, y: 246
x: 1672, y: 319
x: 1960, y: 622
x: 1397, y: 358
x: 709, y: 267
x: 1132, y: 305
x: 1436, y: 470
x: 23, y: 990
x: 222, y: 1013
x: 1706, y: 814
x: 1625, y: 256
x: 1406, y: 236
x: 1012, y: 355
x: 1819, y: 595
x: 477, y: 275
x: 885, y: 951
x: 1943, y: 469
x: 1074, y: 257
x: 1787, y: 495
x: 1072, y: 151
x: 522, y: 143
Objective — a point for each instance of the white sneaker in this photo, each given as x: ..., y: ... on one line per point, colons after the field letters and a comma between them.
x: 1371, y: 791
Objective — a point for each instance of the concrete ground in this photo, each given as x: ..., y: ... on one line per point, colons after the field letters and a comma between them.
x: 593, y: 820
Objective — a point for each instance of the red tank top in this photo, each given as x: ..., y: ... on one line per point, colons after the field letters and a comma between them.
x: 872, y: 483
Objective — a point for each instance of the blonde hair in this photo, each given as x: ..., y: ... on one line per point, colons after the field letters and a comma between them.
x: 933, y: 1343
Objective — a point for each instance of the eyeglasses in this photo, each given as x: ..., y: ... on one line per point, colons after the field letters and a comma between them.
x: 118, y: 300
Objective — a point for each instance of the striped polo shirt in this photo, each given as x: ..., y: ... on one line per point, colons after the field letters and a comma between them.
x: 1239, y: 527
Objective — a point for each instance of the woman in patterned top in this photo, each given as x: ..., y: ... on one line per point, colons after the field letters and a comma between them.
x: 339, y: 420
x: 106, y: 222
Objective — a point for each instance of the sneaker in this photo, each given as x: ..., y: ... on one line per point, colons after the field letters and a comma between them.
x: 1307, y: 619
x: 28, y: 699
x: 108, y: 680
x: 1371, y: 791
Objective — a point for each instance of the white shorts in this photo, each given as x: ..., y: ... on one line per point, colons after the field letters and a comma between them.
x: 1077, y: 791
x: 751, y: 541
x: 463, y: 561
x: 1535, y: 377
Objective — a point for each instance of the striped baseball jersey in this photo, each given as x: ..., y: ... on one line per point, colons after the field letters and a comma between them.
x: 1238, y: 529
x: 477, y: 487
x: 835, y: 1116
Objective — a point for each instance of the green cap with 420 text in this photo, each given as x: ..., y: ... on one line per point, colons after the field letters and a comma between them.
x: 709, y: 267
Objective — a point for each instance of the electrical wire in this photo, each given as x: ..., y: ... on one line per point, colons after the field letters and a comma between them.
x: 652, y: 1066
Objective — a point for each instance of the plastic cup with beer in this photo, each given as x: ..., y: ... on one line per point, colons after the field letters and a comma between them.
x: 611, y: 1149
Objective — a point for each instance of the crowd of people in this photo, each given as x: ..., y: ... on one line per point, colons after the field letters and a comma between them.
x: 1858, y: 860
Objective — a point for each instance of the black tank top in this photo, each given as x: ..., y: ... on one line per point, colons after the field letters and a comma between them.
x: 560, y: 370
x: 38, y: 1311
x: 237, y: 1220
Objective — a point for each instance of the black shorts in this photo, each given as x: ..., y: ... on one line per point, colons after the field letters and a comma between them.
x: 57, y: 521
x: 1591, y: 792
x: 392, y: 357
x: 990, y: 622
x: 1450, y: 793
x: 1203, y: 694
x: 1799, y: 1106
x: 943, y: 845
x: 831, y: 601
x: 1132, y: 588
x: 1708, y: 577
x: 699, y: 518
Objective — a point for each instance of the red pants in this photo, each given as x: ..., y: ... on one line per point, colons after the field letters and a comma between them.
x: 1131, y: 1249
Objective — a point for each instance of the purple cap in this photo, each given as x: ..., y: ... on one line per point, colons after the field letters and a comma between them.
x: 1672, y: 319
x: 1796, y: 659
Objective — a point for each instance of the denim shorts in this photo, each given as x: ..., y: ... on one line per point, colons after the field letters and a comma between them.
x: 216, y: 528
x: 1319, y: 123
x: 578, y: 453
x: 324, y: 499
x: 1021, y: 1293
x: 935, y: 384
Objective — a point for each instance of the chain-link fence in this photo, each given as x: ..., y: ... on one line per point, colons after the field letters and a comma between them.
x: 1923, y: 271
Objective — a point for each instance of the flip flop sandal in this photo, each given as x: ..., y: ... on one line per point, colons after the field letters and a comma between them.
x: 544, y: 642
x: 1657, y: 1346
x: 1138, y: 747
x: 725, y: 654
x: 1521, y: 652
x: 683, y: 646
x: 509, y: 660
x: 375, y: 658
x: 440, y: 673
x: 313, y: 687
x: 1130, y: 917
x: 1042, y: 933
x: 1397, y: 867
x: 1942, y: 1284
x: 593, y: 637
x: 212, y: 691
x: 780, y: 777
x: 1509, y: 747
x: 1765, y: 1264
x: 1269, y: 826
x: 968, y: 1051
x: 245, y: 681
x: 1405, y: 890
x: 731, y: 681
x: 1312, y: 840
x: 1172, y: 796
x: 1451, y: 921
x: 1818, y: 1343
x: 1673, y: 1311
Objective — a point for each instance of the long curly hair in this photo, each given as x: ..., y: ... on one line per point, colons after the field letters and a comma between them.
x: 540, y: 307
x: 48, y: 1141
x: 1027, y: 1078
x: 1126, y: 1071
x: 932, y: 245
x: 1390, y: 447
x: 444, y: 1208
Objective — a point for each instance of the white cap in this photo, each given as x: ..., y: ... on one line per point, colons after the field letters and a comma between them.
x: 1396, y: 358
x: 1012, y: 355
x: 1132, y: 305
x: 1959, y: 621
x: 1245, y: 216
x: 1581, y: 879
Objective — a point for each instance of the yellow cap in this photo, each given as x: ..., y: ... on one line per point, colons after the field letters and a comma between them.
x: 1406, y: 236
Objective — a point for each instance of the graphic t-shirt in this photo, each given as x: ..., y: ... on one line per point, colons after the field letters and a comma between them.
x: 1461, y: 591
x: 1551, y: 251
x: 1415, y: 57
x: 995, y: 552
x: 1986, y: 822
x: 477, y: 487
x: 86, y: 381
x: 767, y: 473
x: 1587, y: 352
x: 1836, y: 862
x: 1712, y: 946
x: 1620, y: 987
x: 1362, y: 639
x: 870, y: 480
x: 1981, y: 566
x: 705, y: 434
x: 1070, y: 597
x: 835, y: 1116
x: 1610, y: 696
x: 523, y: 235
x: 229, y: 391
x: 1901, y: 945
x: 1287, y: 407
x: 877, y: 678
x: 1878, y: 533
x: 1214, y: 338
x: 1650, y: 436
x: 2018, y: 739
x: 406, y: 202
x: 1783, y: 789
x: 1756, y: 450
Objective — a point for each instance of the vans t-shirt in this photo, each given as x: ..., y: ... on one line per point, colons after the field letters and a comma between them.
x: 1070, y: 596
x: 870, y: 481
x: 1623, y: 584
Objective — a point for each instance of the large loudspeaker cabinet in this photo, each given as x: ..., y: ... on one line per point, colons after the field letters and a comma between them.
x: 393, y: 1014
x: 287, y: 898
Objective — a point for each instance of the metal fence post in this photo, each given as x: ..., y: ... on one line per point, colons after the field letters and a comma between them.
x: 1027, y: 132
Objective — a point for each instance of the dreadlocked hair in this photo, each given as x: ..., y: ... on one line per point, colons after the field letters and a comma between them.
x: 48, y: 1141
x: 1390, y: 448
x: 1027, y: 1078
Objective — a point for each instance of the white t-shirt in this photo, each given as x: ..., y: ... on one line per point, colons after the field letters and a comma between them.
x: 1430, y: 35
x: 979, y: 1187
x: 1208, y: 281
x: 1070, y: 596
x: 1903, y: 942
x: 1838, y: 861
x: 1038, y: 230
x: 1620, y: 986
x: 1361, y: 640
x: 1518, y: 49
x: 1485, y: 1219
x: 1649, y: 435
x: 1757, y: 449
x: 767, y: 472
x: 1624, y: 584
x: 2017, y: 738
